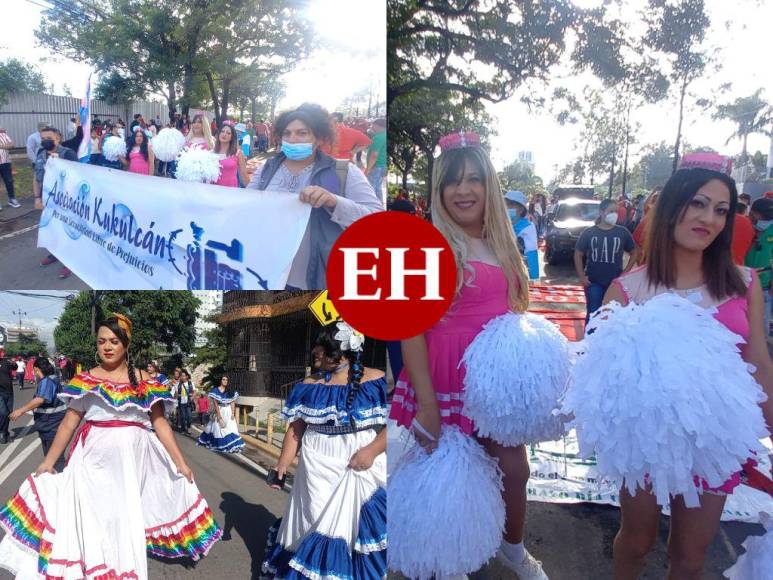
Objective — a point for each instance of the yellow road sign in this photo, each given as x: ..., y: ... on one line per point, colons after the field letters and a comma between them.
x: 323, y: 309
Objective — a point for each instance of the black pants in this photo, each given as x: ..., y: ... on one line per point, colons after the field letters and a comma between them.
x: 59, y: 465
x: 20, y: 376
x: 7, y: 175
x: 6, y: 406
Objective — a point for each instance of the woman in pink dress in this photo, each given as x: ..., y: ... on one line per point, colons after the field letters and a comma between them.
x: 140, y: 157
x: 233, y: 165
x: 200, y: 134
x: 688, y: 253
x: 469, y: 209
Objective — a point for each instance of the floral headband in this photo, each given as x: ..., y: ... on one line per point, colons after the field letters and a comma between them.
x: 460, y: 140
x: 349, y: 338
x: 125, y: 323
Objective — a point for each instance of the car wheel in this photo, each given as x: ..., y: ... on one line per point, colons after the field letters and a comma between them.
x: 551, y: 256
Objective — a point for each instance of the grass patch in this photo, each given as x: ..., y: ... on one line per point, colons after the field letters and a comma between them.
x: 22, y: 180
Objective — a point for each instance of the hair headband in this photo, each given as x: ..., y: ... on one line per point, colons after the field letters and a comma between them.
x: 460, y: 140
x: 125, y: 323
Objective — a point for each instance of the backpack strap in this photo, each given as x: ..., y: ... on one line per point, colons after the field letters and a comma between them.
x: 342, y: 172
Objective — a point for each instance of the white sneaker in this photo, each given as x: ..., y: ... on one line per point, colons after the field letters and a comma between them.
x: 13, y: 203
x: 527, y: 569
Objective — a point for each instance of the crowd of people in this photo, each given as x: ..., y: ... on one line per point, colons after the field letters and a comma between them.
x: 468, y: 479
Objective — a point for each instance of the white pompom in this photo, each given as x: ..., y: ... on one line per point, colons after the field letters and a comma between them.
x: 168, y: 144
x: 446, y: 513
x: 195, y: 164
x: 757, y: 562
x: 517, y: 369
x: 662, y: 390
x: 113, y: 148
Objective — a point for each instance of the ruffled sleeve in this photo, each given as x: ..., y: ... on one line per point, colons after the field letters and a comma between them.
x: 323, y: 404
x: 117, y: 395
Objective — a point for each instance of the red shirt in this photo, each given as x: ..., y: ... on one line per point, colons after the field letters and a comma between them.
x: 743, y: 238
x: 203, y: 404
x: 346, y: 140
x: 639, y: 234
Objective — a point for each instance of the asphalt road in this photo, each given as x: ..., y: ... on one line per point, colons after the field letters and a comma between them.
x: 243, y: 505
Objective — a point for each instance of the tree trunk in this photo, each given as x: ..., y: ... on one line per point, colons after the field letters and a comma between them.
x: 187, y: 87
x: 253, y: 108
x: 612, y: 170
x: 744, y: 154
x: 226, y: 97
x: 678, y: 143
x: 215, y: 99
x: 430, y: 169
x: 627, y: 138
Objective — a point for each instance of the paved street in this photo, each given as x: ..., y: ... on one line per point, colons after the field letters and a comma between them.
x: 244, y: 506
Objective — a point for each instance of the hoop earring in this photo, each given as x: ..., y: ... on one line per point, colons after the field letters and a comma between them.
x: 96, y: 358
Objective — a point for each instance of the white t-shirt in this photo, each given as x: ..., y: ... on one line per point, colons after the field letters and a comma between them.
x: 19, y: 366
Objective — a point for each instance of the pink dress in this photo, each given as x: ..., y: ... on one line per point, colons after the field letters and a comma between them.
x: 485, y: 299
x: 732, y: 312
x: 138, y: 163
x: 228, y: 168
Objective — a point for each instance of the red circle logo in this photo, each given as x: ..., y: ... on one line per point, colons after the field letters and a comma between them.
x: 391, y: 275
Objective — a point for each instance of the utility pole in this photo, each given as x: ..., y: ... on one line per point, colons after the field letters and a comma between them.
x: 18, y: 312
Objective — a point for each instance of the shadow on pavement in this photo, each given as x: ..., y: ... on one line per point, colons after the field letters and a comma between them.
x: 251, y: 522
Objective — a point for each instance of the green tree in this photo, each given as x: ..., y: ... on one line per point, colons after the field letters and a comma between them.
x: 214, y: 354
x: 750, y: 114
x: 520, y: 176
x: 677, y: 31
x: 26, y: 345
x: 17, y: 76
x: 162, y: 319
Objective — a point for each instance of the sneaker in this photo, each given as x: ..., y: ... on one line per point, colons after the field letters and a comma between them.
x: 527, y: 569
x: 48, y: 260
x: 64, y: 273
x: 14, y: 203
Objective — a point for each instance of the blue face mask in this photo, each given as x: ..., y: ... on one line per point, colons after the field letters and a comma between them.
x: 513, y: 214
x: 762, y: 225
x: 297, y: 151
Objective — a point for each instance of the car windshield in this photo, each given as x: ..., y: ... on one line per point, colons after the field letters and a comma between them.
x: 581, y: 211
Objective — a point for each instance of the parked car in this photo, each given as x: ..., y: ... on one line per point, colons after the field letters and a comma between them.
x: 566, y: 223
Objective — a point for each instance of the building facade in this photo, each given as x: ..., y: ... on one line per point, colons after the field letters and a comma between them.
x: 211, y: 305
x: 268, y: 338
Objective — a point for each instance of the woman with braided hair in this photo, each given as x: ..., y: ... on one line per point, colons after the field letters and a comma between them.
x: 126, y: 490
x: 334, y: 525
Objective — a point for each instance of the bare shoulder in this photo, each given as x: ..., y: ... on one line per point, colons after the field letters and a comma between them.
x: 370, y: 374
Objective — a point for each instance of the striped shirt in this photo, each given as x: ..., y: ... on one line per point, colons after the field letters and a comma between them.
x: 5, y: 141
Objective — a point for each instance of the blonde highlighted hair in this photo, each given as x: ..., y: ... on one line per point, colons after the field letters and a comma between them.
x: 204, y: 128
x: 497, y: 229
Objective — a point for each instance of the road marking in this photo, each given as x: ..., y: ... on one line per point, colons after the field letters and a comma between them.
x: 19, y: 232
x: 19, y: 459
x: 8, y: 451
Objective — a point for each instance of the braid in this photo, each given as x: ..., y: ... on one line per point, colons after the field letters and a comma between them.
x: 356, y: 372
x: 132, y: 374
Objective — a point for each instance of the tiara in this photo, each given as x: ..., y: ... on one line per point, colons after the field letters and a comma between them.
x: 460, y: 140
x: 712, y: 161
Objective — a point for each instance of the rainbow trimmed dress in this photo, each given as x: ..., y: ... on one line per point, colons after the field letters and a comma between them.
x: 223, y: 439
x: 334, y: 526
x: 119, y: 499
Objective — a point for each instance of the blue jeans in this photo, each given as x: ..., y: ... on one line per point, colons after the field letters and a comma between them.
x: 184, y: 416
x: 375, y: 177
x: 594, y: 297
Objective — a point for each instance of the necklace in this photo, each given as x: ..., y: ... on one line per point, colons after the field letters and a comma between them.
x: 329, y: 374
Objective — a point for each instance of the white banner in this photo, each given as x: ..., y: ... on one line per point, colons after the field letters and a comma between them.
x: 558, y: 475
x: 116, y: 229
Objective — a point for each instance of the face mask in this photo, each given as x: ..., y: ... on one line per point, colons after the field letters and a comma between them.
x: 48, y: 144
x: 762, y: 225
x: 611, y: 218
x: 297, y: 151
x: 513, y: 214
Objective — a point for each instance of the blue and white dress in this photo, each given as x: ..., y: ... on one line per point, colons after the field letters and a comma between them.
x: 334, y: 526
x: 224, y: 439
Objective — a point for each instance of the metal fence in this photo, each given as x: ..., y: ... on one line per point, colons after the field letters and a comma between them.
x: 23, y: 111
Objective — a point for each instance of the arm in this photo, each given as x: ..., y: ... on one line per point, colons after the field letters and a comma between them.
x: 165, y: 435
x: 33, y: 404
x: 151, y: 159
x: 364, y: 457
x: 416, y: 361
x: 578, y: 267
x: 8, y: 143
x: 67, y: 427
x: 243, y: 175
x: 372, y: 157
x: 757, y: 351
x: 631, y: 249
x: 290, y: 445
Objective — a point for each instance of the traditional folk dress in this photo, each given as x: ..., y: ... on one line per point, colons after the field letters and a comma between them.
x: 334, y: 526
x: 119, y: 499
x: 224, y: 439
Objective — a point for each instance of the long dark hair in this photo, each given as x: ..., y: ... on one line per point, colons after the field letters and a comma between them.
x: 719, y: 270
x: 131, y: 141
x: 315, y: 117
x: 44, y: 365
x: 232, y: 145
x: 332, y: 347
x: 111, y: 323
